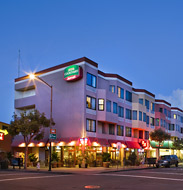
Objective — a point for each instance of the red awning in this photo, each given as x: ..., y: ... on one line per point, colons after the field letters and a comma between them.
x: 131, y: 144
x: 102, y: 142
x: 115, y: 141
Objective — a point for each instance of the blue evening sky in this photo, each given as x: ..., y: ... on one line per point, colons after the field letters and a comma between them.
x: 142, y: 40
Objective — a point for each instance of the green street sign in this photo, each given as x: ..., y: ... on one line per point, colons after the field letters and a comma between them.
x: 52, y: 136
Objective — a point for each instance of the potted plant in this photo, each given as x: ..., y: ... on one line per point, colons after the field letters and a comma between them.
x: 55, y: 159
x: 54, y: 164
x: 106, y: 157
x: 33, y: 159
x: 59, y: 164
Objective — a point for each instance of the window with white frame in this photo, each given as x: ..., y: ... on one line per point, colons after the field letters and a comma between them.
x: 90, y: 125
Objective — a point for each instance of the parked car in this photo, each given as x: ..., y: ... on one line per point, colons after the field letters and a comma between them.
x: 167, y: 161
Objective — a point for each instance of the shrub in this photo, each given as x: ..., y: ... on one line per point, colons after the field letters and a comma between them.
x: 106, y: 157
x: 132, y: 158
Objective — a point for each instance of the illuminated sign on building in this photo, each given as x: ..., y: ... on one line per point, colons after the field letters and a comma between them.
x: 83, y: 141
x: 1, y: 136
x: 144, y: 144
x: 73, y: 73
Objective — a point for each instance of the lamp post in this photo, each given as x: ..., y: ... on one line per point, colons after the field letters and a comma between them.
x: 32, y: 77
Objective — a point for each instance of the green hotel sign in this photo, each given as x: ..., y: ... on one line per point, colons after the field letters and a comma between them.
x: 72, y: 73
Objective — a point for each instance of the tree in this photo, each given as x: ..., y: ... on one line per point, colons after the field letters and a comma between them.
x: 178, y: 144
x: 31, y: 126
x: 159, y: 136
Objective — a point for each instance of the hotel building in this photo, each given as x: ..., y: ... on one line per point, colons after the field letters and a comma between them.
x: 93, y: 111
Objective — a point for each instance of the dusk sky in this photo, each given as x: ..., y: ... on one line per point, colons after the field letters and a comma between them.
x: 141, y: 40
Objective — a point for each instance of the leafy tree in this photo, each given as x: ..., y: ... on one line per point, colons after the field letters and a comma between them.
x: 159, y: 136
x: 31, y: 125
x: 178, y: 144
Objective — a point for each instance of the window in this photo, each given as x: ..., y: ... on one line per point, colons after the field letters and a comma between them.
x: 112, y: 88
x: 164, y: 125
x: 90, y: 125
x: 157, y: 122
x: 152, y: 121
x: 120, y: 111
x: 169, y: 114
x: 128, y: 96
x: 134, y: 115
x: 91, y: 103
x: 115, y: 106
x: 140, y: 134
x: 181, y: 130
x: 4, y: 127
x: 152, y: 106
x: 147, y: 104
x: 165, y: 111
x: 161, y: 123
x: 141, y: 101
x: 181, y: 119
x: 120, y: 130
x: 171, y: 127
x: 161, y: 110
x: 146, y: 135
x: 111, y: 129
x: 91, y: 80
x: 144, y: 117
x: 128, y: 132
x: 174, y: 116
x: 177, y: 128
x: 101, y: 104
x: 128, y: 114
x: 140, y: 116
x: 120, y: 92
x: 147, y: 120
x: 108, y: 106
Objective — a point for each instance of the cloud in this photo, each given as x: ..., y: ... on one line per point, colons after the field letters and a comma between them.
x: 176, y: 98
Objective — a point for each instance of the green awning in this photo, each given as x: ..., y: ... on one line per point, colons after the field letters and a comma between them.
x: 164, y: 144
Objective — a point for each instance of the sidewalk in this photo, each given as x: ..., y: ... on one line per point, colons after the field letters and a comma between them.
x: 85, y: 171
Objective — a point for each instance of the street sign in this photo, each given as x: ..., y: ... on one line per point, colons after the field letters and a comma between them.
x: 52, y: 133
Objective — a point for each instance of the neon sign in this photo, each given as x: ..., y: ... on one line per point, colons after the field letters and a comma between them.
x: 1, y: 136
x: 73, y: 73
x: 144, y: 144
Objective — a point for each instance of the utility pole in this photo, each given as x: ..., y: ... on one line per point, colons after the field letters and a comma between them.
x: 18, y: 63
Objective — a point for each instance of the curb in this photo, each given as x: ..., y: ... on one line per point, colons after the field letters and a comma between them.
x: 35, y: 171
x: 130, y: 169
x: 76, y: 173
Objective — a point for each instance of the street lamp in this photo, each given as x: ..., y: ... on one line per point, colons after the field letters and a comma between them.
x: 32, y: 76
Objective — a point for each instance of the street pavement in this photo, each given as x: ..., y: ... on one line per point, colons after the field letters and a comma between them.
x: 160, y: 179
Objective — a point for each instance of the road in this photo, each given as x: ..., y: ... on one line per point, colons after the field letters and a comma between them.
x: 151, y: 179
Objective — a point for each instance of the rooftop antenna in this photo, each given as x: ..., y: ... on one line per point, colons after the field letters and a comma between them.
x: 18, y: 63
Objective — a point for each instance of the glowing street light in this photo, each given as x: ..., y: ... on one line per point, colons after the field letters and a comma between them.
x: 32, y: 76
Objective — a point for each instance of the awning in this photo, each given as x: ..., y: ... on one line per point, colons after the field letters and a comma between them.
x: 100, y: 141
x: 111, y: 141
x: 20, y: 143
x: 131, y: 144
x: 165, y: 144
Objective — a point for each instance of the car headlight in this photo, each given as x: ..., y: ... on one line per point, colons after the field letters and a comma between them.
x: 165, y: 161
